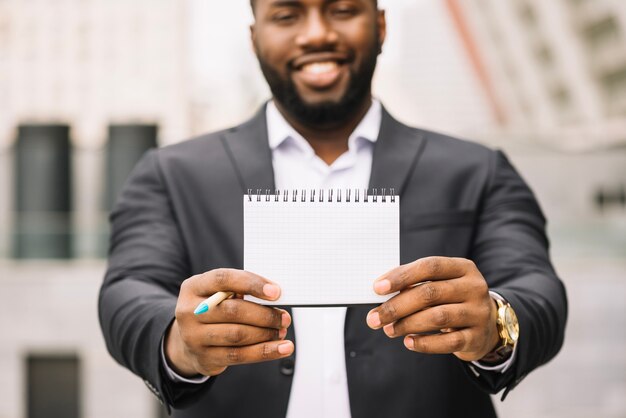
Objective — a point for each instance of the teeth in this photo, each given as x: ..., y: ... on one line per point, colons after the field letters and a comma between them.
x: 320, y: 67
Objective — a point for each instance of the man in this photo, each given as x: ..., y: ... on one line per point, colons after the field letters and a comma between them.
x: 472, y: 237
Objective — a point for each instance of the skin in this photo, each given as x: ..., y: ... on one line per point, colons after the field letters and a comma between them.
x: 438, y: 294
x: 235, y: 332
x: 287, y: 33
x: 445, y: 295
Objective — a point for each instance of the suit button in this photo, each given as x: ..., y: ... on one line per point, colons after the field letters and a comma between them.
x: 287, y: 366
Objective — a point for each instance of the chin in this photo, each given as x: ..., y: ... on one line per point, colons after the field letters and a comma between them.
x: 321, y: 102
x: 314, y: 98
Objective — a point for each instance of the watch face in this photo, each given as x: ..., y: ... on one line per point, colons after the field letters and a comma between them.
x: 511, y: 324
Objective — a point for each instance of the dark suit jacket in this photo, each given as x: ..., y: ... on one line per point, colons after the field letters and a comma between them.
x: 181, y: 213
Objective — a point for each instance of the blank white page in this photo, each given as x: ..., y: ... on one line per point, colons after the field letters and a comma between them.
x: 321, y: 252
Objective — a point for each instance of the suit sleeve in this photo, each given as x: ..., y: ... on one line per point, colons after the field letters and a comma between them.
x: 511, y: 251
x: 147, y: 263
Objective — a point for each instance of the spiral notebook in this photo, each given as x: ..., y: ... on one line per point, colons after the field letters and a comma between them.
x: 323, y: 247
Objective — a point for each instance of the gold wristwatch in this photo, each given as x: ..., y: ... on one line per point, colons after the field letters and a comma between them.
x: 508, y: 330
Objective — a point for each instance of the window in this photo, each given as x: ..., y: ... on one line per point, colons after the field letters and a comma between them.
x: 53, y: 386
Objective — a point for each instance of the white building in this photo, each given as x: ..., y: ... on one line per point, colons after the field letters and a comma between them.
x: 559, y: 67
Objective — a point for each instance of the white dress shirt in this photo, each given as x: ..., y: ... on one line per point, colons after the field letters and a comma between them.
x: 320, y: 385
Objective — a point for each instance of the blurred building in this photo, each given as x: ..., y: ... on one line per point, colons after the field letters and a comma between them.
x: 546, y: 81
x: 559, y: 67
x: 102, y: 69
x: 91, y: 63
x: 88, y: 65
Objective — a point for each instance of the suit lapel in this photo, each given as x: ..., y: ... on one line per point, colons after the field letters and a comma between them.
x: 248, y: 148
x: 395, y: 154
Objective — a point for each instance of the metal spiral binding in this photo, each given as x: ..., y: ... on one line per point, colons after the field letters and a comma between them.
x: 324, y: 195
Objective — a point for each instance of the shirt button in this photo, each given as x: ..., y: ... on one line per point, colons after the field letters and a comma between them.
x: 352, y: 354
x: 286, y: 366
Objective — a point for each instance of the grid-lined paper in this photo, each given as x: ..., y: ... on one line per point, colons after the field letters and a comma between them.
x: 321, y: 253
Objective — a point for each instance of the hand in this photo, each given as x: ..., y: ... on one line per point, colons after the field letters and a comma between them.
x: 235, y: 332
x: 448, y: 296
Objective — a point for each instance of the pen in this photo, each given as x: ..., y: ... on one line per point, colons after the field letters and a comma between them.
x: 211, y: 302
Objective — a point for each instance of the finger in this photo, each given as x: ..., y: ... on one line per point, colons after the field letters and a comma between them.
x: 237, y: 311
x: 255, y: 353
x: 434, y: 319
x: 423, y: 269
x: 446, y: 343
x: 415, y: 299
x: 232, y: 280
x: 236, y: 335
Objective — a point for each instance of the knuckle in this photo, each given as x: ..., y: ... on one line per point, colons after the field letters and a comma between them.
x: 234, y: 335
x: 441, y: 317
x: 388, y: 311
x: 430, y: 292
x: 211, y: 336
x: 230, y: 309
x: 433, y: 266
x: 457, y: 341
x: 233, y: 355
x: 221, y: 277
x: 404, y: 277
x: 266, y: 351
x: 463, y: 314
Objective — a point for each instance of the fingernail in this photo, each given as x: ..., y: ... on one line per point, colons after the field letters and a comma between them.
x: 382, y: 287
x: 271, y: 290
x: 285, y: 320
x: 409, y: 343
x: 282, y: 333
x: 389, y: 330
x: 285, y: 348
x: 373, y: 319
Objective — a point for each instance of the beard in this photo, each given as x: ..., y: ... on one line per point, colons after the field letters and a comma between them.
x: 327, y: 113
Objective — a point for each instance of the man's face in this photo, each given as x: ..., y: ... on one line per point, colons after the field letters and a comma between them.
x: 318, y: 56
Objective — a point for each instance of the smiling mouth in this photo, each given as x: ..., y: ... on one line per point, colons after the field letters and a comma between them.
x: 320, y: 67
x: 320, y: 75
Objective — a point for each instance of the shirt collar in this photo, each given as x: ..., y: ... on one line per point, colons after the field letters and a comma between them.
x: 279, y: 130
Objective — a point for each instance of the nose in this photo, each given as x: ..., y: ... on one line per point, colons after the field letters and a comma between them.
x: 316, y: 32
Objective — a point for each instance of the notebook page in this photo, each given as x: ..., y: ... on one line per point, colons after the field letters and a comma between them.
x: 321, y: 252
